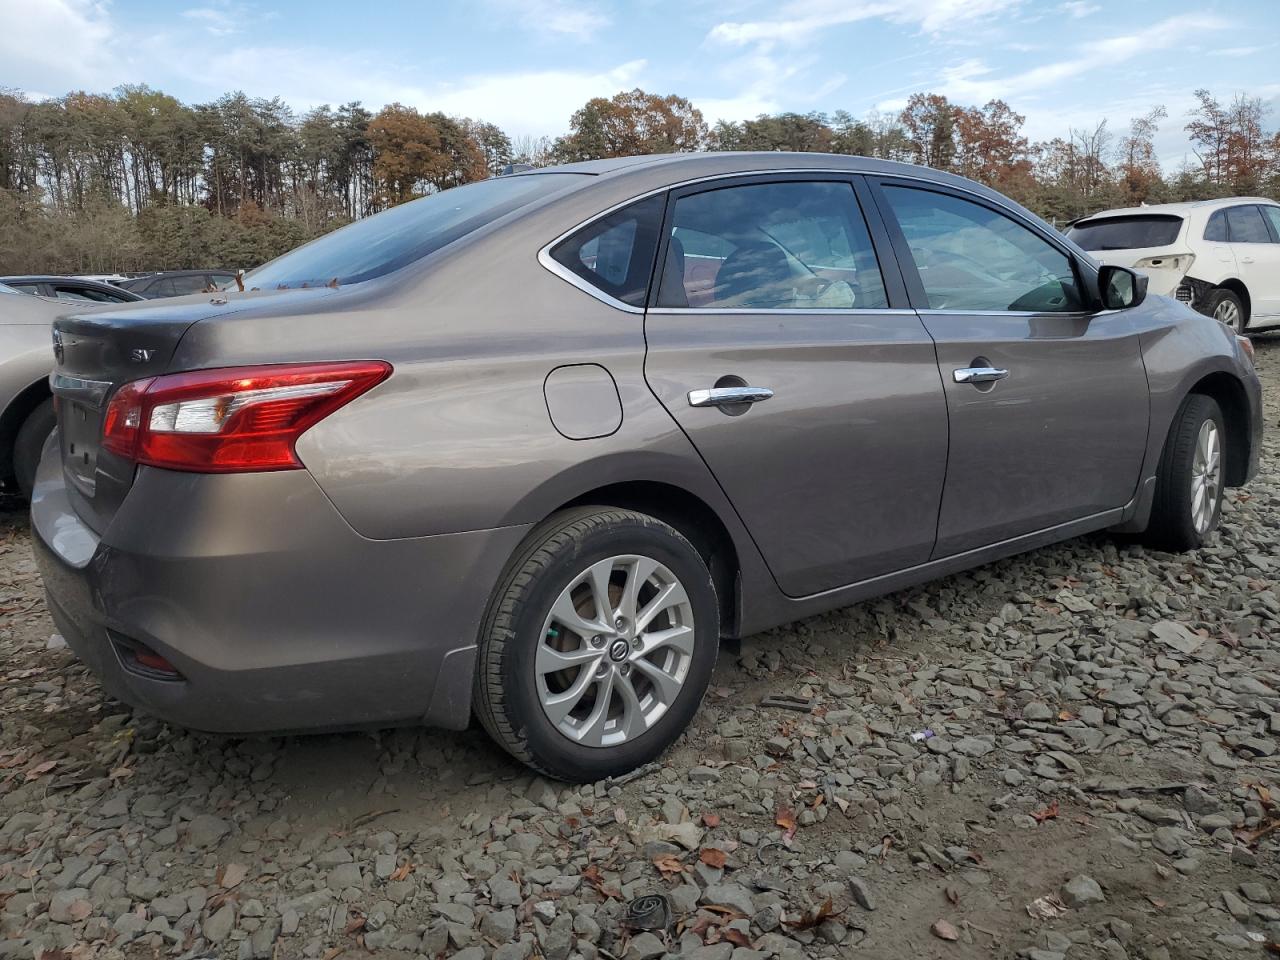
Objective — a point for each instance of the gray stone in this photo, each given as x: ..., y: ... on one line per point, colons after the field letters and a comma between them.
x: 218, y: 927
x: 728, y: 895
x: 861, y: 893
x: 499, y: 925
x: 1081, y: 890
x: 207, y: 830
x: 644, y: 946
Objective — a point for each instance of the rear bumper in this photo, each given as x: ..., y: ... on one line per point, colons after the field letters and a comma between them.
x: 277, y: 614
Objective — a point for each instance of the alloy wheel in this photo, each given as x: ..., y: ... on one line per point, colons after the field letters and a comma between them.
x: 1206, y: 476
x: 1228, y: 313
x: 615, y: 650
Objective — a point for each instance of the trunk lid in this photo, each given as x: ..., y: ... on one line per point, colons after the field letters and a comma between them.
x: 94, y: 353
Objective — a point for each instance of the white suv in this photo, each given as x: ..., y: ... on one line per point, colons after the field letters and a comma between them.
x: 1220, y: 256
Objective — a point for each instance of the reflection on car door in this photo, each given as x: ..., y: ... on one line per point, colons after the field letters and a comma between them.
x: 1258, y: 257
x: 1047, y: 399
x: 773, y: 284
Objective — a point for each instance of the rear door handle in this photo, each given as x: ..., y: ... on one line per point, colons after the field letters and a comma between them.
x: 724, y: 396
x: 979, y: 374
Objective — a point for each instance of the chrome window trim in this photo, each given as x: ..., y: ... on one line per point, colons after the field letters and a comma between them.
x: 781, y: 311
x: 78, y: 388
x: 564, y: 273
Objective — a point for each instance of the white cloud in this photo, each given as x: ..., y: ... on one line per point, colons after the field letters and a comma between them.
x: 564, y: 18
x: 1079, y: 8
x: 802, y: 21
x: 57, y: 44
x: 973, y: 81
x: 220, y: 19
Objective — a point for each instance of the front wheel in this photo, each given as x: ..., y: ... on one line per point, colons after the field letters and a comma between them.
x: 1189, y: 482
x: 598, y: 646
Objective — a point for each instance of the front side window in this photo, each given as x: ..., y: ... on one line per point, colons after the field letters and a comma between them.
x: 969, y: 257
x: 615, y: 253
x: 773, y: 246
x: 1273, y: 214
x: 1245, y: 225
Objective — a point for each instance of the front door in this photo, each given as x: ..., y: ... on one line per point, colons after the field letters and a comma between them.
x: 1258, y: 258
x: 790, y: 360
x: 1047, y: 399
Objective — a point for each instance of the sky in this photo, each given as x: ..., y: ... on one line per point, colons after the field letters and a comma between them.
x: 526, y: 65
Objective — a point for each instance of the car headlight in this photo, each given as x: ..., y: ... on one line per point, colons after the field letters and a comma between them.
x: 1246, y: 346
x: 1181, y: 262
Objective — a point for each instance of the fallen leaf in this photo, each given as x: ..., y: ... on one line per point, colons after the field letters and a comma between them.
x: 231, y: 875
x: 711, y: 820
x: 944, y: 931
x: 727, y: 912
x: 786, y: 818
x: 1046, y: 908
x: 736, y: 937
x: 712, y: 857
x: 668, y: 864
x: 402, y: 871
x: 953, y: 896
x: 1047, y: 813
x: 813, y: 917
x: 356, y: 923
x: 40, y: 769
x: 1066, y: 715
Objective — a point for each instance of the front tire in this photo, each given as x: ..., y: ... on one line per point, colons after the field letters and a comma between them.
x: 1189, y: 483
x: 29, y: 443
x: 598, y: 645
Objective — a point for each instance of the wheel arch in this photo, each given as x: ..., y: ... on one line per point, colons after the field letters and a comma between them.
x: 1237, y: 287
x: 19, y: 408
x: 694, y: 518
x: 1231, y: 398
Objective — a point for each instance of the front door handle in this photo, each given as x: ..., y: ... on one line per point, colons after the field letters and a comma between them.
x: 979, y: 374
x: 726, y: 396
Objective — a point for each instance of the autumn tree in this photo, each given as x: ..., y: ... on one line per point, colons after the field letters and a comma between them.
x: 930, y: 123
x: 632, y: 123
x: 1139, y: 168
x: 417, y: 153
x: 990, y: 146
x: 796, y: 132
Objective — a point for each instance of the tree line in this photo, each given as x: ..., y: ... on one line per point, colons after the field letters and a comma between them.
x: 137, y: 180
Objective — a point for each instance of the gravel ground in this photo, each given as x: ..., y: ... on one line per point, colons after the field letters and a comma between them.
x: 1068, y: 754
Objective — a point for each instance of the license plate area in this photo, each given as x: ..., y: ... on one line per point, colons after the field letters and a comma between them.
x: 79, y: 431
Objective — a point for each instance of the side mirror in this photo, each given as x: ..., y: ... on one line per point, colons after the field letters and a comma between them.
x: 1121, y: 287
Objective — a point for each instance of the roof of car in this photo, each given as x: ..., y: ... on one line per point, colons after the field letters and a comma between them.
x: 53, y: 278
x: 1174, y: 209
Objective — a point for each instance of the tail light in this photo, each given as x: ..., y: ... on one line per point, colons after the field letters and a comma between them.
x: 234, y: 419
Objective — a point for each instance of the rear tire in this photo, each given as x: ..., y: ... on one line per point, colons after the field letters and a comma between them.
x: 1189, y: 482
x: 29, y: 443
x: 582, y: 690
x: 1227, y: 307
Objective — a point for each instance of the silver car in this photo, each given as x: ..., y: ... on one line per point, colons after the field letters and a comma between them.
x: 529, y: 448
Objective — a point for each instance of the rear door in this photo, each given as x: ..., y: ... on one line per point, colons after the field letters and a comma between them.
x: 770, y: 290
x: 1257, y: 257
x: 1047, y: 399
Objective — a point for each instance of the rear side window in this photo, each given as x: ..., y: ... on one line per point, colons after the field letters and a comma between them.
x: 1215, y: 230
x: 1126, y: 233
x: 615, y: 253
x: 395, y: 238
x: 772, y: 246
x: 1245, y: 225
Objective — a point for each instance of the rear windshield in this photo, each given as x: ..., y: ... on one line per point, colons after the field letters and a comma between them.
x: 394, y: 238
x: 1126, y: 233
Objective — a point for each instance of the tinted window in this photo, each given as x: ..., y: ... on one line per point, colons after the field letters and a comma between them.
x: 1273, y: 214
x: 1126, y: 233
x: 397, y: 237
x: 970, y: 257
x: 1216, y: 229
x: 1245, y: 225
x: 780, y: 246
x: 88, y: 293
x: 27, y: 288
x: 615, y: 253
